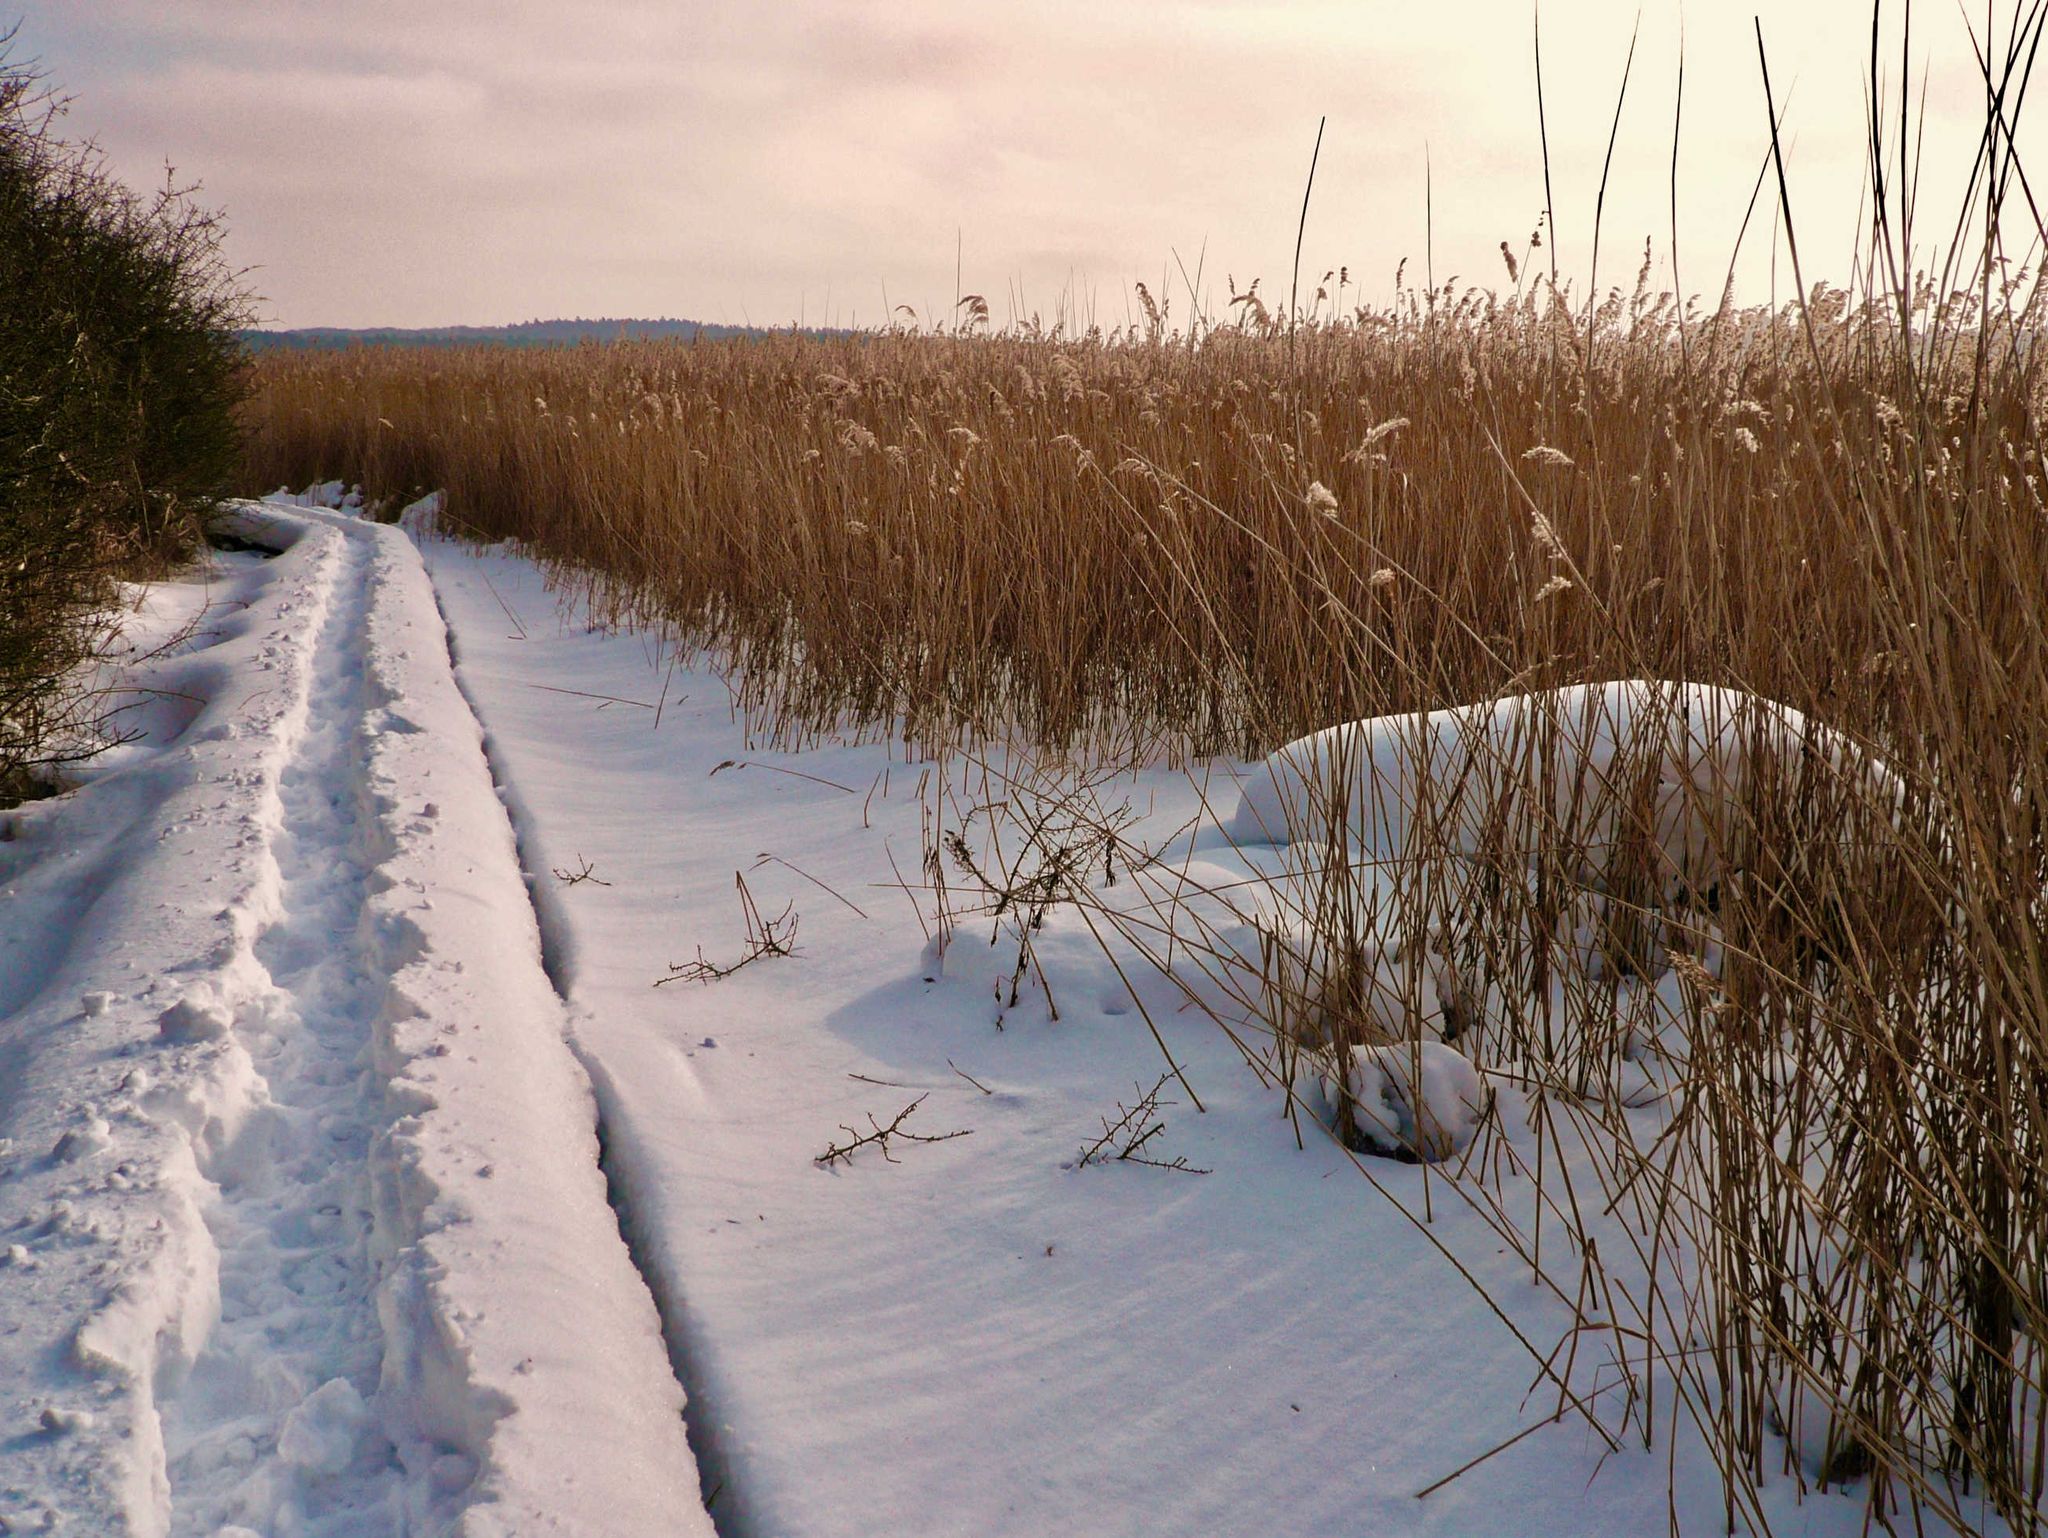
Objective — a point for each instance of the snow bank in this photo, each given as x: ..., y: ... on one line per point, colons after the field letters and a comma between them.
x: 509, y: 1290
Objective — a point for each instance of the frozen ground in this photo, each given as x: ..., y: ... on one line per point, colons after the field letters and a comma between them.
x: 303, y: 1227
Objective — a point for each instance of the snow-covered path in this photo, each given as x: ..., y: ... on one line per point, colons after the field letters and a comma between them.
x: 298, y: 1335
x: 302, y: 1229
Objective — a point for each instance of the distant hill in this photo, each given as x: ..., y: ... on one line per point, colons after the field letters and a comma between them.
x: 531, y: 333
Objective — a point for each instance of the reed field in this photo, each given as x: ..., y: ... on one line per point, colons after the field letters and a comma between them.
x: 1169, y: 541
x: 1219, y: 545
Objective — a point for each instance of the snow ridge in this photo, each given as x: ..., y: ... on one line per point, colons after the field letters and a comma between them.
x: 524, y: 1362
x: 558, y: 958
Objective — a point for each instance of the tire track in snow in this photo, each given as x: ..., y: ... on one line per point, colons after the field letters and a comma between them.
x: 724, y: 1502
x: 274, y: 1428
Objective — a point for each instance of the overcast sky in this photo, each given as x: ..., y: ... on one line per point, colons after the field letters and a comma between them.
x: 423, y: 162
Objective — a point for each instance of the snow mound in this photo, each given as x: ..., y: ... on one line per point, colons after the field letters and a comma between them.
x: 335, y: 496
x: 1418, y: 1097
x: 1577, y: 760
x: 199, y: 1015
x: 422, y: 519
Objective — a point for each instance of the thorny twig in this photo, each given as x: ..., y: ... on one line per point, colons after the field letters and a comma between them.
x: 1135, y: 1126
x: 878, y: 1136
x: 765, y: 937
x: 587, y: 873
x: 1064, y: 839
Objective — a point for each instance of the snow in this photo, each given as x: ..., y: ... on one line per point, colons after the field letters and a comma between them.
x: 982, y: 1335
x: 1419, y: 1097
x: 1691, y: 746
x: 256, y: 1275
x: 200, y: 1015
x: 376, y: 1161
x: 321, y: 1432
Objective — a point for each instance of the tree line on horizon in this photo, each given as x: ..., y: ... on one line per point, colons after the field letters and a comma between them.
x: 529, y: 333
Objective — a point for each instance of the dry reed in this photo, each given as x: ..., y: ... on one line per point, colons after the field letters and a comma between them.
x: 1119, y: 540
x: 1146, y: 542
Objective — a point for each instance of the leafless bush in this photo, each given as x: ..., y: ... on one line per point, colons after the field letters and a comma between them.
x: 119, y: 378
x: 1127, y: 1139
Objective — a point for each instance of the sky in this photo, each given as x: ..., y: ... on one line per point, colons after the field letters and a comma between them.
x: 432, y: 162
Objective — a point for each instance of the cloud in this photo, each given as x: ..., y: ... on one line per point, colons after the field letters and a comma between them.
x: 423, y: 161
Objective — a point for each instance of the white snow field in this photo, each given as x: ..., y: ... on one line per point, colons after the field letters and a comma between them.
x: 327, y: 1108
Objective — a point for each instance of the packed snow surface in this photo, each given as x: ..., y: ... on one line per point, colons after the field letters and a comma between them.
x: 303, y: 1222
x: 422, y: 1087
